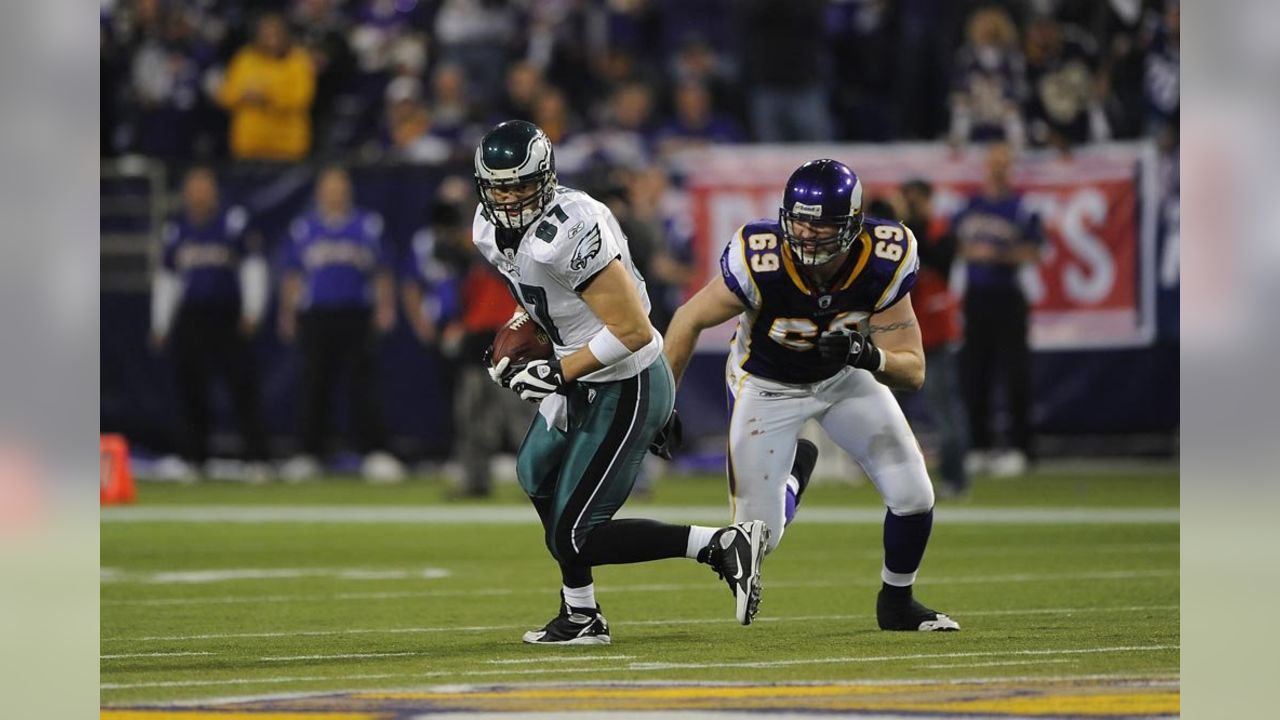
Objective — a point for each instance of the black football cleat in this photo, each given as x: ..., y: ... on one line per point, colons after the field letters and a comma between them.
x: 573, y: 626
x: 900, y: 611
x: 736, y: 554
x: 802, y: 466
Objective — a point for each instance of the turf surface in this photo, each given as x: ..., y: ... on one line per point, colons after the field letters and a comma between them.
x: 206, y: 610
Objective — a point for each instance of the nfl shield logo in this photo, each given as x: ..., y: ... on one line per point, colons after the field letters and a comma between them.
x: 824, y: 302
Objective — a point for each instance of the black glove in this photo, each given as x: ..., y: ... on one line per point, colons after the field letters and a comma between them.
x: 538, y: 379
x: 856, y: 349
x: 669, y: 438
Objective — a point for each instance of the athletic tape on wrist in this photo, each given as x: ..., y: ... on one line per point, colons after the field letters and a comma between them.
x: 607, y: 348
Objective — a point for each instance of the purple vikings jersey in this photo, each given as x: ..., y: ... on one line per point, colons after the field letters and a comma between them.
x: 776, y: 337
x: 339, y: 261
x: 207, y: 256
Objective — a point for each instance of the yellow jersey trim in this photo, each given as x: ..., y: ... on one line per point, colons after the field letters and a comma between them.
x: 751, y: 275
x: 746, y: 265
x: 791, y: 270
x: 862, y: 260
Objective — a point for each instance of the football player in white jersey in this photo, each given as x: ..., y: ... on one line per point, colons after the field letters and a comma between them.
x: 603, y: 398
x: 803, y: 287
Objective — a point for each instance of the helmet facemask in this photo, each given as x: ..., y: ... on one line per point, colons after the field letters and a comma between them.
x: 520, y: 213
x: 833, y: 236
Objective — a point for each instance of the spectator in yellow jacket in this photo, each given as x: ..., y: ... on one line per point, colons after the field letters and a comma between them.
x: 268, y: 90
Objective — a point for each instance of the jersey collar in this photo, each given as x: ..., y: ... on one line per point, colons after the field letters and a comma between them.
x: 854, y: 268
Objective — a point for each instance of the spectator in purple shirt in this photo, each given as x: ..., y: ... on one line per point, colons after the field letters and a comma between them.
x: 208, y: 295
x: 996, y: 236
x: 336, y: 298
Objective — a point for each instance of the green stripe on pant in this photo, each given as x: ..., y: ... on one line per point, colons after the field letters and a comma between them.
x: 589, y: 471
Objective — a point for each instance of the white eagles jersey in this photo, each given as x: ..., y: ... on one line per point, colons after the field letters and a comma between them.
x: 559, y: 254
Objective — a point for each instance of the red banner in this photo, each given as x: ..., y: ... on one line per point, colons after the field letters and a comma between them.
x: 1093, y: 289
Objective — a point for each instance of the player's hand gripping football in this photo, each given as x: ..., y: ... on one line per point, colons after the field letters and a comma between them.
x: 537, y: 380
x: 669, y: 438
x: 500, y: 372
x: 857, y: 350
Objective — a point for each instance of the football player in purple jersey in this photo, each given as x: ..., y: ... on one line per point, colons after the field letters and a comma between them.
x: 824, y: 326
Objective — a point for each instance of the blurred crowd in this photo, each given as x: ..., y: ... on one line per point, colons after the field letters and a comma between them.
x: 625, y: 81
x: 617, y: 85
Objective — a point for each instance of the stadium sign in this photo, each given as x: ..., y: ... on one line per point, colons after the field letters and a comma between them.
x: 1095, y: 287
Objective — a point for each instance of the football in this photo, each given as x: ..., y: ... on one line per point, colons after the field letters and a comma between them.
x: 522, y: 340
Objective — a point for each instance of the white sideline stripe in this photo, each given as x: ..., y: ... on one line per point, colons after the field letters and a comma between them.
x: 197, y: 577
x: 637, y: 667
x: 672, y: 587
x: 517, y: 514
x: 121, y: 656
x: 566, y: 658
x: 687, y: 621
x: 997, y: 663
x: 342, y: 656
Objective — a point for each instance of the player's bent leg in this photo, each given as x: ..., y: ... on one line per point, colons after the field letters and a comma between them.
x: 579, y: 621
x: 868, y: 423
x: 763, y: 430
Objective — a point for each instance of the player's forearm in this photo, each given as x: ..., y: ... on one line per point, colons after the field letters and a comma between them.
x: 613, y: 344
x: 679, y: 342
x: 579, y: 363
x: 897, y: 335
x: 903, y: 369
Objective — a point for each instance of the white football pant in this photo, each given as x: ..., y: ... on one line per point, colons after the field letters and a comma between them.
x: 856, y: 411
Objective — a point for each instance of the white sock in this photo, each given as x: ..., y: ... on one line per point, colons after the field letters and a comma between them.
x: 699, y: 537
x: 897, y: 579
x: 583, y: 597
x: 793, y: 484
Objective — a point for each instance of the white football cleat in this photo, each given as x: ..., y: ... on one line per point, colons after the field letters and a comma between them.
x: 737, y: 552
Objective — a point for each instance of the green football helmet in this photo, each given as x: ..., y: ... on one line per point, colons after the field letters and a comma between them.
x: 515, y: 155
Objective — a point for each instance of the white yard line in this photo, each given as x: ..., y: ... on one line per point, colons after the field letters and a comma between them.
x: 342, y: 656
x: 672, y: 587
x: 111, y: 575
x: 121, y: 656
x: 565, y: 658
x: 961, y: 614
x: 242, y: 681
x: 517, y: 514
x: 640, y: 667
x: 998, y: 663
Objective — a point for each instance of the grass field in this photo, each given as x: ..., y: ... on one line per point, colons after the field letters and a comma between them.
x: 1066, y: 585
